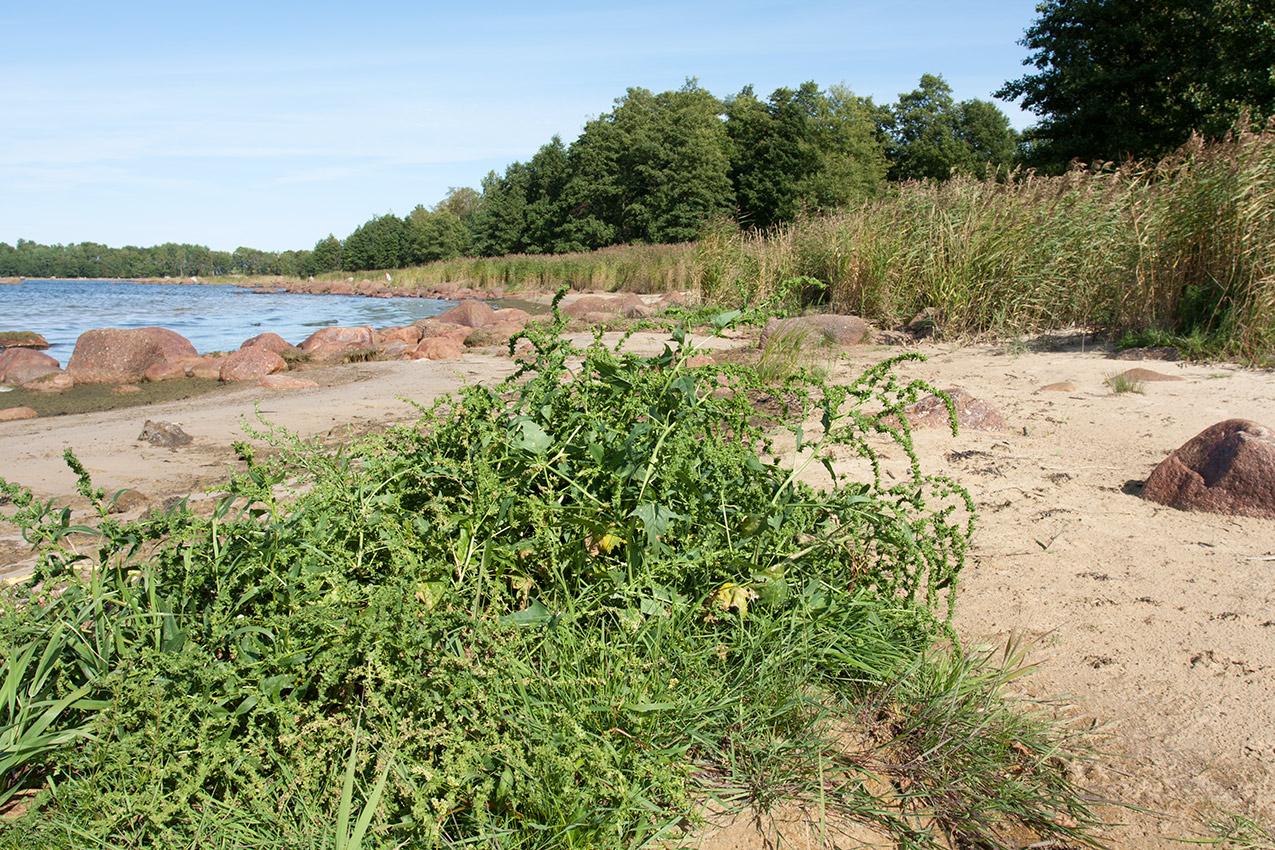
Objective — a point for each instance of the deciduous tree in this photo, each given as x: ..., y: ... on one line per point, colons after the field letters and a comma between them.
x: 1134, y: 78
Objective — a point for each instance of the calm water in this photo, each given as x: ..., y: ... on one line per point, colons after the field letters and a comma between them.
x: 213, y: 318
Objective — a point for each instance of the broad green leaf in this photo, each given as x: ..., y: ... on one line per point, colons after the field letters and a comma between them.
x: 530, y: 437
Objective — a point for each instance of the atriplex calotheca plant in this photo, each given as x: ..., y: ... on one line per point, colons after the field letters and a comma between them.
x: 564, y: 611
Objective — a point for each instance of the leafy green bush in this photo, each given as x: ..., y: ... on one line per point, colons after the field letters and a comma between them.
x: 559, y: 612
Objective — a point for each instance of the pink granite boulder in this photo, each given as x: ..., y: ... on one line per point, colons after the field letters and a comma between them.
x: 332, y: 343
x: 207, y: 367
x: 496, y: 333
x: 249, y: 364
x: 54, y: 382
x: 12, y: 414
x: 470, y: 313
x: 1228, y: 468
x: 270, y: 342
x: 433, y: 328
x: 510, y: 315
x: 22, y: 339
x: 111, y: 355
x: 174, y: 346
x: 973, y: 414
x: 438, y: 348
x: 19, y: 365
x: 591, y: 308
x: 165, y: 372
x: 410, y: 334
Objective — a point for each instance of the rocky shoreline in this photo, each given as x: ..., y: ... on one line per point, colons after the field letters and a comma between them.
x: 366, y: 287
x: 127, y: 358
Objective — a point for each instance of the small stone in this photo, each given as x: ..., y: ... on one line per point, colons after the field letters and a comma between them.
x: 167, y: 434
x: 55, y: 382
x: 1060, y: 387
x: 128, y: 500
x: 12, y: 414
x: 127, y: 389
x: 972, y: 413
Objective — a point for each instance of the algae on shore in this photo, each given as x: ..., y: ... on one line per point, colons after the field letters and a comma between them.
x: 94, y: 398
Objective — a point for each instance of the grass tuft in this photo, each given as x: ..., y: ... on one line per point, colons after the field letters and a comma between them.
x: 1122, y: 383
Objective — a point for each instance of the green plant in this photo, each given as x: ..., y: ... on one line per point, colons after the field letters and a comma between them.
x: 1122, y: 383
x: 789, y: 352
x: 1237, y: 832
x: 563, y: 611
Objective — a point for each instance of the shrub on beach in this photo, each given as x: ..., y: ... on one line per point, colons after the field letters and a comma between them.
x: 565, y: 611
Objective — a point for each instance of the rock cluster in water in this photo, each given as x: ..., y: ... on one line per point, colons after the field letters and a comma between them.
x: 127, y: 357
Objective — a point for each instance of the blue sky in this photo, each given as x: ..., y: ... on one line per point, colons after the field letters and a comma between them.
x: 271, y: 124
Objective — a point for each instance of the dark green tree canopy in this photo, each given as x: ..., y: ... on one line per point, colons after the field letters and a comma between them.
x: 651, y: 170
x: 326, y: 256
x: 376, y: 244
x: 802, y: 149
x: 431, y: 235
x: 1134, y: 78
x: 931, y: 134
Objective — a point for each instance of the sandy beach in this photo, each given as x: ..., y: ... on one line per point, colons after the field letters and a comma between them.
x: 1151, y: 629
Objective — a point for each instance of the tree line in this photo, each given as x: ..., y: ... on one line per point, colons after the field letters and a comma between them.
x: 1112, y: 80
x: 652, y: 170
x: 93, y: 260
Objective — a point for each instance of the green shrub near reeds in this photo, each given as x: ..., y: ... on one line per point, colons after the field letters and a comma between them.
x: 1185, y: 247
x: 561, y: 612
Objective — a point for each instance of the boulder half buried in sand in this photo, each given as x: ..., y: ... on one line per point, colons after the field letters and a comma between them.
x: 1228, y: 468
x: 973, y: 414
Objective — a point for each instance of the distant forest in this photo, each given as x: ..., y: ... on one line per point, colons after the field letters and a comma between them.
x: 652, y: 170
x: 1111, y: 80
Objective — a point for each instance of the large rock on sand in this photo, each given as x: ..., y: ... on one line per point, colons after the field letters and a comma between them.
x: 19, y: 365
x: 285, y: 382
x: 113, y: 356
x: 438, y: 348
x: 249, y: 364
x: 332, y: 343
x: 471, y: 314
x: 270, y: 341
x: 13, y: 414
x: 176, y: 347
x: 628, y: 305
x: 1228, y: 468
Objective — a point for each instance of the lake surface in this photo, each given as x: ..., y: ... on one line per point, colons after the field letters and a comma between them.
x: 213, y: 318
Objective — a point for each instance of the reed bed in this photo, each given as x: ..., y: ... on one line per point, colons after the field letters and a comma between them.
x: 634, y: 268
x: 1184, y: 249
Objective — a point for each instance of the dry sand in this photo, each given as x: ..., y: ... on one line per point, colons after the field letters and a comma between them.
x: 1153, y: 626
